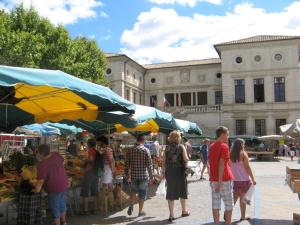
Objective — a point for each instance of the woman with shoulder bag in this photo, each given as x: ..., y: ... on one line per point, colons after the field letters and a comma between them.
x: 174, y: 169
x: 242, y: 173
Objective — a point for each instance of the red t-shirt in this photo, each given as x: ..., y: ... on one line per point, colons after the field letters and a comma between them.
x: 217, y: 151
x: 53, y: 172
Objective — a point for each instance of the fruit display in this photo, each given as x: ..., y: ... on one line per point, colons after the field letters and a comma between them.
x: 74, y: 166
x: 29, y: 173
x: 7, y: 189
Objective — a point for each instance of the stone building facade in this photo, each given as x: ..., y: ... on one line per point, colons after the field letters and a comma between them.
x: 253, y: 87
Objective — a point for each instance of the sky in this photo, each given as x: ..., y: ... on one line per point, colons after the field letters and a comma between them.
x: 152, y: 31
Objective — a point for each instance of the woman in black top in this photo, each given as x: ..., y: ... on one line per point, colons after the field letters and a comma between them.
x: 174, y: 168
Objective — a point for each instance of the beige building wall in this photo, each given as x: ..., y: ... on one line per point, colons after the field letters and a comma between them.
x: 200, y: 76
x: 267, y: 68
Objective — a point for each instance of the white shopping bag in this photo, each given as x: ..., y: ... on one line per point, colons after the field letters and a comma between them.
x: 161, y: 189
x: 248, y: 196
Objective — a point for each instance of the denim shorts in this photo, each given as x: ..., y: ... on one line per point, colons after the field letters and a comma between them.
x: 57, y: 204
x: 140, y: 186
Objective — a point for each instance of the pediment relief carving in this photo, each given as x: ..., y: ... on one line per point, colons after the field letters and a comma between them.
x: 185, y: 76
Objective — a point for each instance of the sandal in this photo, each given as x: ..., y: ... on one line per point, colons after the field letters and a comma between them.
x: 171, y: 219
x: 185, y: 214
x: 247, y: 218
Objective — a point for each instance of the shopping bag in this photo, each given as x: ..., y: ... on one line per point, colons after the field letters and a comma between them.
x: 248, y: 196
x: 161, y: 189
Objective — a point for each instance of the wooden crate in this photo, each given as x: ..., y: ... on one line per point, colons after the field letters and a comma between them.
x: 295, y: 173
x: 296, y: 219
x: 295, y: 185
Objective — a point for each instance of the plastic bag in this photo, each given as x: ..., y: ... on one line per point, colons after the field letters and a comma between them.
x: 248, y: 196
x: 161, y: 189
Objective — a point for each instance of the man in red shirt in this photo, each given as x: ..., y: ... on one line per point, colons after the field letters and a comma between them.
x: 221, y: 176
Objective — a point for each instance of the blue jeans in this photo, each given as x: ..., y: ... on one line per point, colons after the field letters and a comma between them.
x: 57, y: 203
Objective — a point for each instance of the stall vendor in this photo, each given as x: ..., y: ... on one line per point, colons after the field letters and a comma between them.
x: 52, y: 176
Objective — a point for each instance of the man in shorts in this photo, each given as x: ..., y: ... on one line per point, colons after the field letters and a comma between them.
x: 221, y: 176
x: 138, y: 169
x: 52, y: 176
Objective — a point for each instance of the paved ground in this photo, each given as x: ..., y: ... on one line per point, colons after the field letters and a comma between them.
x: 274, y: 203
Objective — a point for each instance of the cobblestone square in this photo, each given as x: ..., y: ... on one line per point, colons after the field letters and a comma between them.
x: 274, y: 203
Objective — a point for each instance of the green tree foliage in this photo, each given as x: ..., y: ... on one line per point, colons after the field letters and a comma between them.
x: 28, y: 40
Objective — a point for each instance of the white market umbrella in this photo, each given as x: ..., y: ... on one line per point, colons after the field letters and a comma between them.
x: 292, y: 129
x: 274, y: 137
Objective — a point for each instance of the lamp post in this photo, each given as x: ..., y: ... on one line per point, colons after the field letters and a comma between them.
x: 219, y: 76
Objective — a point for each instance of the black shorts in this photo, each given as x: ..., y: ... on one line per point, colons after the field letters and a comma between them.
x: 89, y: 185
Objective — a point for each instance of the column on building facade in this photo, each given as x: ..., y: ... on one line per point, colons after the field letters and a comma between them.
x: 270, y: 125
x: 269, y: 89
x: 249, y: 90
x: 160, y: 98
x: 210, y: 96
x: 130, y: 94
x: 250, y: 126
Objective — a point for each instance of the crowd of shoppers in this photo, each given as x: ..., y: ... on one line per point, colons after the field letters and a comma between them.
x: 230, y: 174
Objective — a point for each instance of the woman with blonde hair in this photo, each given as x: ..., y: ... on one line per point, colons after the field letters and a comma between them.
x: 242, y: 173
x: 174, y: 169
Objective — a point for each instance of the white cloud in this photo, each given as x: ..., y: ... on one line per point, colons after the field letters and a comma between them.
x: 190, y: 3
x: 103, y: 14
x: 162, y: 35
x: 59, y: 11
x: 93, y: 36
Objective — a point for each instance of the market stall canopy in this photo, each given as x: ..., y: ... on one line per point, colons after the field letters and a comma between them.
x: 64, y: 128
x: 274, y: 138
x: 292, y: 129
x: 96, y: 127
x: 188, y: 127
x: 36, y: 95
x: 153, y: 120
x: 107, y: 123
x: 150, y: 119
x: 42, y: 129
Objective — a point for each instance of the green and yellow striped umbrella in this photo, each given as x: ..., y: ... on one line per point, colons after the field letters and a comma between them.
x: 36, y: 96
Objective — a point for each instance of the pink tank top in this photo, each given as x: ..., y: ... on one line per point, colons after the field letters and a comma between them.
x: 239, y: 172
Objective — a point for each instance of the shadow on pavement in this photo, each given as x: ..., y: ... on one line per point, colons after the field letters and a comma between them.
x: 154, y: 222
x: 259, y: 222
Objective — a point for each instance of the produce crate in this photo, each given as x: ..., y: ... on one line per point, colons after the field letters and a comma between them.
x: 295, y: 185
x: 295, y: 173
x: 296, y: 219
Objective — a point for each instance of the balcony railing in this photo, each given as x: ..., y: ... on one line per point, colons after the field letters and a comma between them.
x: 194, y: 109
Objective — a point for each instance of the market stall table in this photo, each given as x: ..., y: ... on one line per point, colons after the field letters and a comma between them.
x: 260, y: 155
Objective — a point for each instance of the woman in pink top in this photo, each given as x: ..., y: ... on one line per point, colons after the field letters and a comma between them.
x: 242, y: 173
